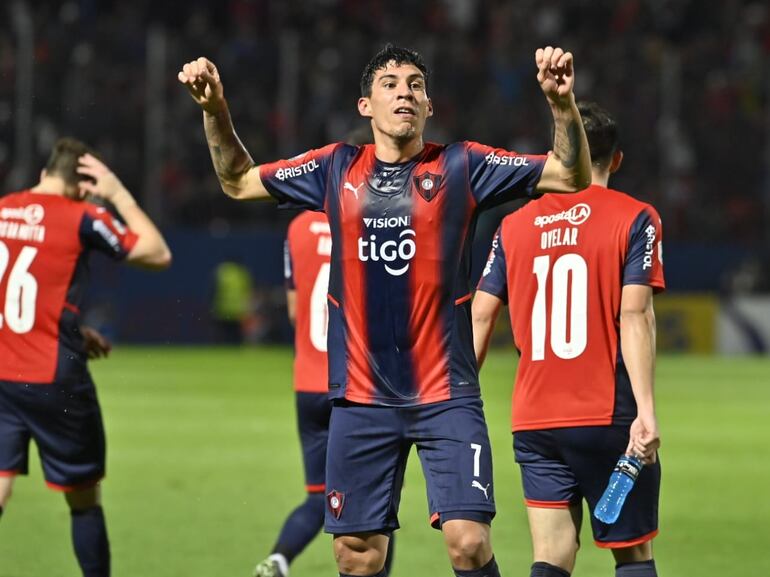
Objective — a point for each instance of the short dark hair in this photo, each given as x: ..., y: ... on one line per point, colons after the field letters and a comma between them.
x: 63, y: 161
x: 601, y: 131
x: 390, y: 53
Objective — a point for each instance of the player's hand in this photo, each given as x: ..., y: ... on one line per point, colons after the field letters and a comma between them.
x: 102, y: 183
x: 644, y: 439
x: 202, y: 80
x: 556, y: 74
x: 96, y: 344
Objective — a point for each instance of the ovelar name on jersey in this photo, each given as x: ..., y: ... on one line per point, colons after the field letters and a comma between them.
x: 305, y: 168
x: 18, y: 231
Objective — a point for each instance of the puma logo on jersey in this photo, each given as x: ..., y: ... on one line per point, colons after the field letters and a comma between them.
x: 353, y: 189
x: 482, y: 488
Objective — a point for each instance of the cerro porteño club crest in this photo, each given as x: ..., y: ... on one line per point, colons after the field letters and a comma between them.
x: 336, y: 501
x: 427, y: 185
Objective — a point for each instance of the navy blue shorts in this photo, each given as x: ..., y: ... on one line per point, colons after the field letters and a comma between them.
x: 313, y: 413
x: 65, y: 422
x: 559, y: 467
x: 366, y: 460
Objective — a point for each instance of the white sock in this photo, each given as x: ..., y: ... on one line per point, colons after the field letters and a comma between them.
x: 283, y: 564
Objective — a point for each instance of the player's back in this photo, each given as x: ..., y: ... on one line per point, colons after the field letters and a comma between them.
x: 43, y: 273
x: 308, y: 254
x: 567, y: 258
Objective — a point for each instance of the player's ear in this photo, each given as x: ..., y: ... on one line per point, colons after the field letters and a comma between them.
x: 617, y: 160
x: 430, y: 107
x: 364, y: 107
x: 43, y: 174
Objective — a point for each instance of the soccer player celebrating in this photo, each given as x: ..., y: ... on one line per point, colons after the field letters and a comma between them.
x: 46, y: 391
x: 401, y: 366
x: 579, y: 274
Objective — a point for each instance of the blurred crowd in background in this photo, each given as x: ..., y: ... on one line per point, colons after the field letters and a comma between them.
x: 688, y: 81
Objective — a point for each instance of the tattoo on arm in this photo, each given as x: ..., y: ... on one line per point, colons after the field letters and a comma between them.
x: 230, y: 158
x: 566, y: 142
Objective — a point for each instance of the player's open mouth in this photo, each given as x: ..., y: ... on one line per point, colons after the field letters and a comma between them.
x: 405, y: 111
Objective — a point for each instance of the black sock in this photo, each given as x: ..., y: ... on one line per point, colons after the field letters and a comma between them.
x: 301, y: 526
x: 89, y: 538
x: 1, y: 511
x: 642, y: 569
x: 543, y: 569
x: 488, y: 570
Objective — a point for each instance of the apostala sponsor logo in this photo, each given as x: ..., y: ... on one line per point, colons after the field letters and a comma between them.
x: 31, y: 214
x: 576, y: 215
x: 294, y: 171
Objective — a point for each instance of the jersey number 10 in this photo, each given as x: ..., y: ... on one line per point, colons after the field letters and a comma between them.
x: 569, y: 302
x: 21, y: 292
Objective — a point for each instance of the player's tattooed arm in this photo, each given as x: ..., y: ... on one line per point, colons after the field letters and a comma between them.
x: 232, y: 162
x: 237, y: 173
x: 566, y: 142
x: 568, y: 168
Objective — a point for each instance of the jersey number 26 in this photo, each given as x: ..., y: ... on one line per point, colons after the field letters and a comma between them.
x: 21, y: 292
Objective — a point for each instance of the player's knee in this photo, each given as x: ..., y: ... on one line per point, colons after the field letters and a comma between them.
x: 82, y: 500
x: 5, y: 496
x: 468, y: 543
x: 635, y: 554
x: 358, y: 555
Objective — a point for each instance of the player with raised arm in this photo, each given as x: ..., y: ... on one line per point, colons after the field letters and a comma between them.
x: 46, y: 392
x: 401, y: 365
x: 579, y: 274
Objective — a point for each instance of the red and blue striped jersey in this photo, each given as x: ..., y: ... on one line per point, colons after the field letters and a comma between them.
x: 399, y: 291
x: 561, y: 263
x: 45, y: 240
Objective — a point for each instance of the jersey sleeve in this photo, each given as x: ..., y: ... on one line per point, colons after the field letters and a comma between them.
x: 100, y: 230
x: 494, y: 278
x: 299, y: 182
x: 288, y: 267
x: 498, y: 175
x: 644, y: 260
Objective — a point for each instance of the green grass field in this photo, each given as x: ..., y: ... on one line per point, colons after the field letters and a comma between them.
x: 204, y: 464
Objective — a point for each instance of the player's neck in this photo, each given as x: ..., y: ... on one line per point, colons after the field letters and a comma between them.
x: 600, y: 177
x: 389, y: 149
x: 50, y: 185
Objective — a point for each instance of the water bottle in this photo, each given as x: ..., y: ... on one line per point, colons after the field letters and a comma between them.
x: 621, y: 482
